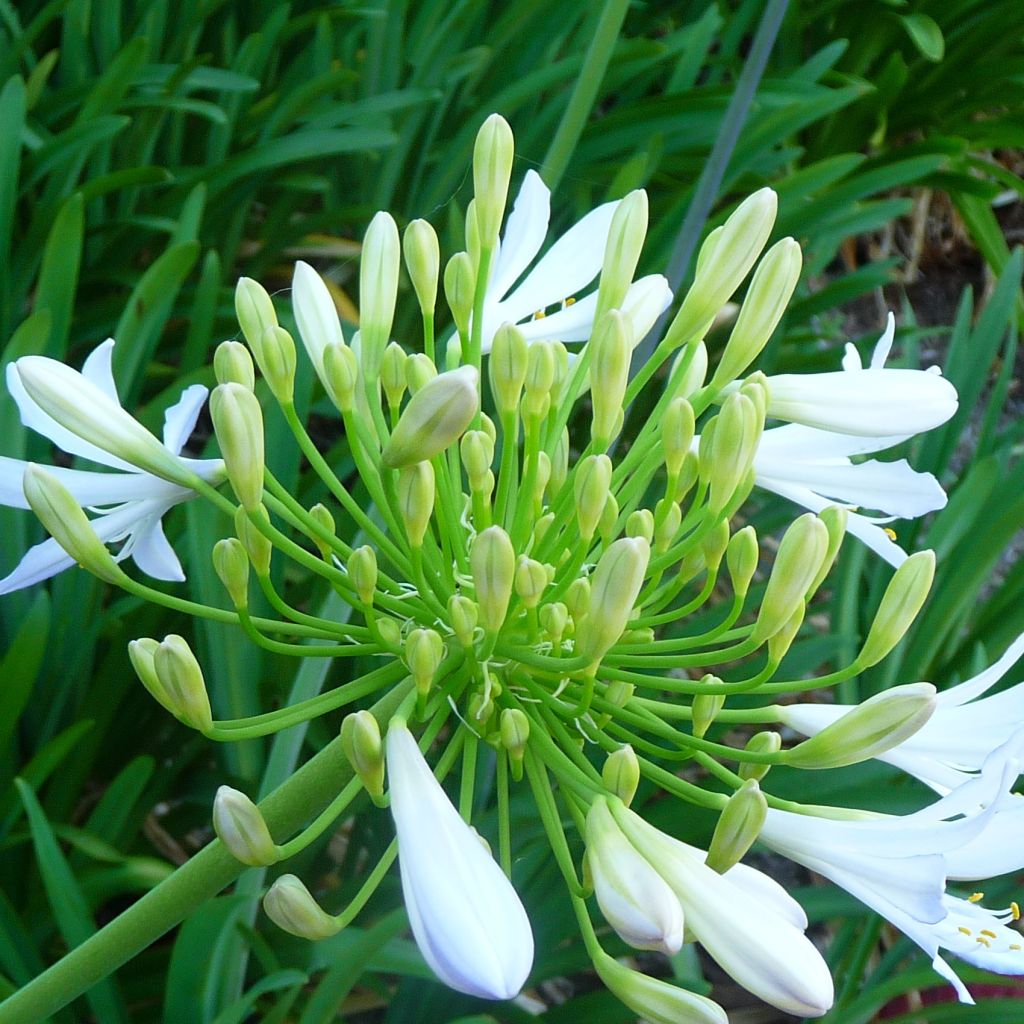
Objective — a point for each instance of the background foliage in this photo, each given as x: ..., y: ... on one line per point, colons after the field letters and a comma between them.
x: 150, y: 153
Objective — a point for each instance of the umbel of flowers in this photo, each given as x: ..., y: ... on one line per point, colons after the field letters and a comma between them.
x: 526, y: 581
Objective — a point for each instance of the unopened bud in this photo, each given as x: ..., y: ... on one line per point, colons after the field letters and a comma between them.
x: 477, y: 450
x: 609, y: 519
x: 592, y: 479
x: 622, y: 251
x: 738, y: 827
x: 254, y: 309
x: 540, y: 378
x: 577, y: 598
x: 493, y: 563
x: 463, y: 615
x: 423, y: 262
x: 610, y: 349
x: 231, y: 563
x: 677, y: 428
x: 741, y: 559
x: 419, y: 371
x: 232, y: 364
x: 341, y: 375
x: 692, y: 377
x: 378, y: 288
x: 759, y: 743
x: 617, y: 581
x: 641, y: 524
x: 559, y: 465
x: 275, y: 355
x: 240, y: 827
x: 531, y: 579
x: 390, y: 631
x: 731, y: 451
x: 238, y: 424
x: 321, y: 515
x: 140, y: 654
x: 416, y: 493
x: 705, y: 707
x: 515, y: 732
x: 620, y: 773
x: 688, y: 475
x: 492, y: 169
x: 668, y: 517
x: 256, y: 543
x: 424, y: 651
x: 780, y: 642
x: 392, y: 375
x: 290, y: 906
x: 362, y: 573
x: 901, y: 602
x: 181, y: 680
x: 436, y: 417
x: 480, y: 709
x: 715, y: 544
x: 553, y: 620
x: 507, y: 367
x: 459, y: 289
x: 835, y: 518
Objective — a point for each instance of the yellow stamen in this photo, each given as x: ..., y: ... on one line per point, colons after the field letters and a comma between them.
x: 975, y: 897
x: 569, y: 301
x: 539, y: 315
x: 966, y: 931
x: 1015, y: 945
x: 991, y: 935
x: 889, y: 532
x: 984, y: 942
x: 1015, y: 910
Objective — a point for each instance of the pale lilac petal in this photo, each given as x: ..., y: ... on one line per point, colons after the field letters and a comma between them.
x: 525, y: 230
x: 180, y: 418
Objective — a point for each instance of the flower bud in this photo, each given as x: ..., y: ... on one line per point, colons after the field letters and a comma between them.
x: 554, y: 618
x: 362, y: 573
x: 610, y: 349
x: 592, y: 479
x: 240, y: 827
x: 759, y: 743
x: 238, y: 424
x: 419, y: 372
x: 257, y: 545
x: 477, y: 451
x: 868, y: 730
x: 622, y: 251
x: 316, y: 316
x: 531, y: 579
x: 392, y: 375
x: 492, y: 169
x: 620, y: 773
x: 559, y: 466
x: 688, y: 474
x: 232, y: 364
x: 436, y: 417
x: 738, y: 827
x: 507, y: 367
x: 799, y: 557
x: 390, y: 633
x: 231, y: 563
x: 459, y: 289
x: 780, y: 642
x: 66, y: 521
x: 705, y: 707
x: 741, y: 558
x: 181, y: 680
x: 416, y: 492
x: 715, y: 544
x: 341, y: 375
x: 515, y: 732
x: 423, y: 262
x: 617, y: 581
x: 834, y: 517
x: 290, y: 906
x: 364, y: 751
x: 254, y: 309
x: 540, y: 378
x: 275, y: 355
x: 493, y: 564
x: 608, y: 520
x: 424, y: 650
x: 692, y: 378
x: 769, y: 293
x: 577, y: 598
x: 731, y: 450
x: 378, y: 288
x: 901, y: 602
x: 677, y: 428
x: 140, y: 654
x: 321, y: 515
x: 463, y: 615
x: 668, y: 517
x: 641, y: 524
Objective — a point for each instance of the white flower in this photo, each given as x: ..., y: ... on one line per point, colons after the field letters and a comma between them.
x: 962, y: 732
x: 751, y: 938
x: 130, y: 503
x: 315, y: 314
x: 568, y: 267
x: 466, y: 918
x: 871, y: 402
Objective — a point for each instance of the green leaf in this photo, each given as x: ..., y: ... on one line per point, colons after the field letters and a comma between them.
x: 58, y: 274
x: 925, y: 34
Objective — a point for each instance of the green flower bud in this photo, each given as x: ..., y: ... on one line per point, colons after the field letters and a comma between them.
x: 65, y: 520
x: 480, y: 708
x: 140, y: 654
x: 577, y: 598
x: 540, y: 378
x: 801, y: 552
x: 705, y: 707
x: 341, y: 375
x: 559, y: 472
x: 621, y: 773
x: 507, y: 367
x: 181, y: 680
x: 622, y: 251
x: 238, y: 424
x: 592, y: 479
x: 492, y: 169
x: 477, y: 450
x: 609, y: 518
x: 553, y: 620
x: 610, y: 349
x: 463, y: 615
x: 769, y: 293
x: 738, y: 827
x: 275, y: 354
x: 322, y: 516
x: 423, y: 262
x: 515, y: 732
x: 668, y: 517
x: 741, y: 559
x: 254, y: 309
x: 232, y: 364
x: 436, y: 417
x: 688, y: 474
x: 378, y: 289
x: 901, y: 602
x: 780, y: 643
x: 616, y: 585
x: 531, y: 579
x: 834, y: 517
x: 390, y: 633
x: 641, y: 524
x: 362, y: 573
x: 731, y: 450
x: 231, y: 563
x: 692, y: 379
x: 677, y: 427
x: 759, y: 743
x: 290, y: 906
x: 416, y: 493
x: 870, y: 729
x: 392, y: 375
x: 459, y: 289
x: 691, y: 565
x: 715, y: 544
x: 256, y: 544
x: 419, y: 372
x: 424, y: 651
x: 493, y: 564
x: 240, y: 827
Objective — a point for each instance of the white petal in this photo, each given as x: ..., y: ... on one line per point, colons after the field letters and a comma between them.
x: 154, y: 555
x: 39, y: 563
x: 98, y: 369
x: 765, y: 891
x: 645, y: 301
x: 884, y: 345
x: 315, y: 314
x: 851, y: 358
x: 180, y: 418
x: 811, y: 445
x: 525, y: 231
x: 984, y: 681
x: 573, y: 323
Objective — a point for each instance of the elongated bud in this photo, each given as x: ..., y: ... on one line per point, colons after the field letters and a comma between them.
x: 835, y: 518
x: 257, y: 545
x: 732, y: 449
x: 620, y: 773
x: 540, y: 378
x: 416, y: 492
x: 231, y: 563
x: 609, y: 518
x: 590, y: 485
x: 656, y: 1001
x: 390, y: 633
x: 436, y: 417
x: 323, y: 518
x: 316, y: 315
x: 232, y: 364
x: 364, y: 751
x: 362, y: 573
x: 799, y: 557
x: 392, y: 375
x: 238, y: 423
x: 140, y: 654
x: 182, y: 682
x: 66, y: 521
x: 769, y: 293
x: 554, y: 618
x: 688, y: 474
x: 515, y: 733
x: 578, y: 597
x: 493, y: 563
x: 463, y: 615
x: 622, y: 251
x: 275, y: 355
x: 901, y: 602
x: 668, y: 517
x: 507, y: 367
x: 378, y: 288
x: 492, y: 169
x: 290, y: 906
x: 759, y: 743
x: 641, y: 524
x: 531, y: 579
x: 419, y: 371
x: 477, y: 451
x: 705, y: 707
x: 677, y: 428
x: 559, y: 466
x: 741, y: 559
x: 610, y: 351
x: 459, y: 289
x: 692, y: 378
x: 423, y: 262
x: 254, y: 309
x: 240, y: 827
x: 780, y: 642
x: 715, y: 544
x: 424, y: 650
x: 616, y: 585
x: 738, y: 827
x: 868, y: 730
x: 341, y: 375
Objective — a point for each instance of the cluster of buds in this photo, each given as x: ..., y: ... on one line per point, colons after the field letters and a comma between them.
x: 529, y: 576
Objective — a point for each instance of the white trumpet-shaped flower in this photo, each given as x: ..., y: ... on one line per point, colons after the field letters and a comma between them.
x: 763, y: 949
x: 568, y: 267
x: 130, y: 503
x: 466, y: 918
x: 953, y: 744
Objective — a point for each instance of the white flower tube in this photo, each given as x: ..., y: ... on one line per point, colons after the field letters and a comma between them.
x: 467, y: 919
x: 315, y: 314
